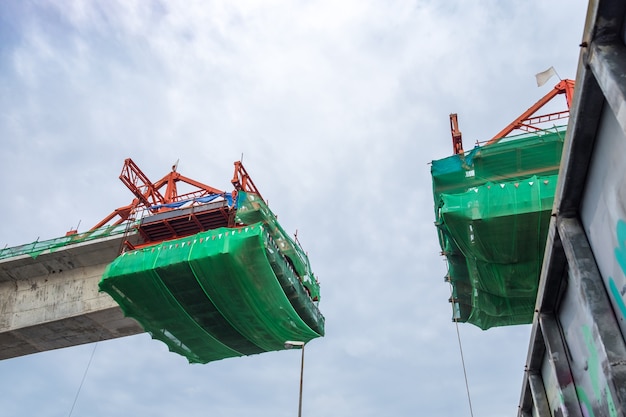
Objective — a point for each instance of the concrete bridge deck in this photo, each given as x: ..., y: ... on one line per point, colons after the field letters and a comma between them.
x: 52, y: 301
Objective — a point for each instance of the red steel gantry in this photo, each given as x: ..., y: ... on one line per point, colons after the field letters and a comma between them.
x: 526, y: 121
x: 165, y: 218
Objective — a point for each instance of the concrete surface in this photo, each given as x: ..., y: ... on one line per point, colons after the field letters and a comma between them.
x: 52, y: 301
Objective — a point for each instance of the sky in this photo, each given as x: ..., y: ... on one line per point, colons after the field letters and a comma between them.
x: 337, y: 109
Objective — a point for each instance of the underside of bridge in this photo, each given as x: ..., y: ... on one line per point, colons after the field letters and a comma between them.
x: 51, y: 300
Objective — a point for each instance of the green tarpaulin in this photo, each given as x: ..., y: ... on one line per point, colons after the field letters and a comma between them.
x: 221, y: 293
x: 492, y: 210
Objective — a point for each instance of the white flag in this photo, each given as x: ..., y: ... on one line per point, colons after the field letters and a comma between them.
x: 544, y: 76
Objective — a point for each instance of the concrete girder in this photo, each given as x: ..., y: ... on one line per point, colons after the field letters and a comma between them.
x: 51, y: 301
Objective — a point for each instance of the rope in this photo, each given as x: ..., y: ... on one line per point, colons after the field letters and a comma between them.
x: 458, y: 336
x: 83, y: 380
x: 469, y: 399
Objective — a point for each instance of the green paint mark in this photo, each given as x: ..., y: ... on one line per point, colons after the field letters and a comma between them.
x: 611, y: 404
x: 583, y: 400
x: 620, y: 256
x: 593, y: 364
x: 620, y: 251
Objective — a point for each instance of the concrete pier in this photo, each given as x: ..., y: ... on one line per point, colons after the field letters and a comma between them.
x: 52, y: 301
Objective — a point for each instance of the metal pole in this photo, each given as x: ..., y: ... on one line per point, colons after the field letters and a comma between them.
x: 301, y: 378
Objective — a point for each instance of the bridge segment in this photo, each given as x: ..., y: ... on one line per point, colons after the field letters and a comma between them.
x: 51, y: 300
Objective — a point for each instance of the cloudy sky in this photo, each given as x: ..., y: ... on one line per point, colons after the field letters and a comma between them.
x: 337, y: 108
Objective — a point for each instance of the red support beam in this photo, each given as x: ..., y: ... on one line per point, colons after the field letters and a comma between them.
x: 524, y: 120
x: 148, y: 194
x: 457, y: 142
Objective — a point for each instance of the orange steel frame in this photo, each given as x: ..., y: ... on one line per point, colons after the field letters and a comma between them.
x: 457, y: 142
x: 149, y: 196
x: 526, y: 121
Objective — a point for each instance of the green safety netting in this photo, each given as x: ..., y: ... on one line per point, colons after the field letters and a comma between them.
x: 36, y: 248
x: 492, y: 210
x: 251, y: 209
x: 221, y: 293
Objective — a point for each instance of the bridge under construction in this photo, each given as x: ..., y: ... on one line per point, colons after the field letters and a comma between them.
x: 210, y: 273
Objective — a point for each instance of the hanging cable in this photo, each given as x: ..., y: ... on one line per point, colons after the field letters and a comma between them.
x: 469, y: 398
x: 458, y: 336
x: 83, y: 380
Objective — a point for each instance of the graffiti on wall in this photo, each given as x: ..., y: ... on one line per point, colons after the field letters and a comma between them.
x: 598, y: 396
x: 620, y: 256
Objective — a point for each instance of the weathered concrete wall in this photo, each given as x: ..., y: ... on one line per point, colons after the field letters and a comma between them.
x: 52, y: 301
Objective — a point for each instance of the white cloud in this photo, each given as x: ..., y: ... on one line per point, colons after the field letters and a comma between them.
x: 337, y: 108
